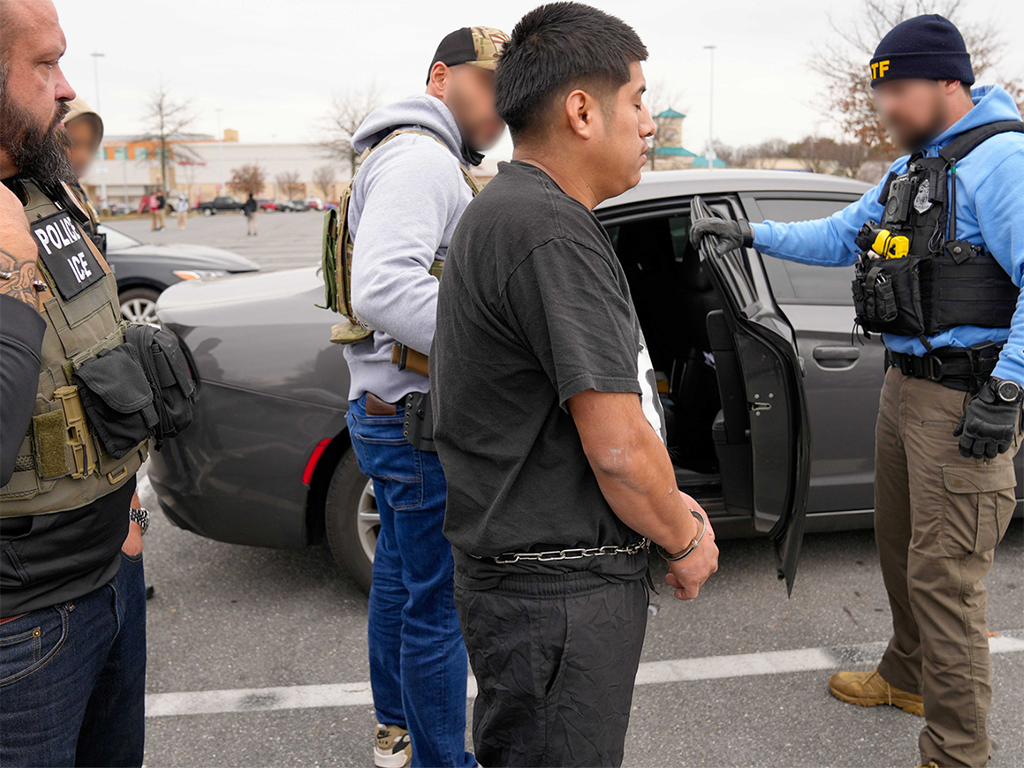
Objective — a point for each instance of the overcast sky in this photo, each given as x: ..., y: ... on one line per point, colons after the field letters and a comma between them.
x: 271, y: 66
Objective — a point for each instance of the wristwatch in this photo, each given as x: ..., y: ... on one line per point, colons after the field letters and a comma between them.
x: 140, y: 516
x: 1008, y: 391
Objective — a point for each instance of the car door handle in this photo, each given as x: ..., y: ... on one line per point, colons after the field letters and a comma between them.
x: 836, y: 357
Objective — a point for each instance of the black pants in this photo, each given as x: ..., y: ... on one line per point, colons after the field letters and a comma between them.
x: 555, y: 659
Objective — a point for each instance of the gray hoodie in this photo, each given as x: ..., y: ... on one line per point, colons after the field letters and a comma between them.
x: 406, y: 200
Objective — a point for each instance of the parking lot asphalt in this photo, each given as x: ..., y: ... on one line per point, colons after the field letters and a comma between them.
x: 718, y: 687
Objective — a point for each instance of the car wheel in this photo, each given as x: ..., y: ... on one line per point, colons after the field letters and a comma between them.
x: 352, y: 521
x: 207, y: 211
x: 138, y: 305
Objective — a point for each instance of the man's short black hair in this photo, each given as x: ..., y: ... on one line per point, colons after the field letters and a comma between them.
x: 555, y: 48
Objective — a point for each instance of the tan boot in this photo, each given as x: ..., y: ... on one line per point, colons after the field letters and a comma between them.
x: 929, y: 764
x: 869, y: 689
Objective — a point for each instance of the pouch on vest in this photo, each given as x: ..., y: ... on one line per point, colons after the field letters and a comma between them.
x: 117, y: 399
x: 173, y: 389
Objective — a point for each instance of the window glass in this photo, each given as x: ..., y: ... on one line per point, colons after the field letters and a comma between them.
x: 142, y: 153
x: 806, y: 283
x: 117, y: 241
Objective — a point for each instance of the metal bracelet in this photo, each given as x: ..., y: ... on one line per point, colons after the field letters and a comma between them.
x: 693, y: 545
x: 574, y: 553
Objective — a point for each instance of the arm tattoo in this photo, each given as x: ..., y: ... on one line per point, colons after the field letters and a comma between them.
x: 23, y: 273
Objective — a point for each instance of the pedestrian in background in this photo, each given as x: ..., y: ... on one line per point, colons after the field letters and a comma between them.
x: 161, y: 210
x: 153, y: 203
x: 249, y: 208
x: 181, y: 206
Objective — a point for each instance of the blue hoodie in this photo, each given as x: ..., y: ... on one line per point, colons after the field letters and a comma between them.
x: 989, y: 212
x: 407, y: 198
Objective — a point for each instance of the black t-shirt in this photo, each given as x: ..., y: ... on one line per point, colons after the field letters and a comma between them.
x: 49, y: 559
x: 534, y: 308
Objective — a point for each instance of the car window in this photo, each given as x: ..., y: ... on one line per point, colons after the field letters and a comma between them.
x: 117, y: 241
x: 804, y: 283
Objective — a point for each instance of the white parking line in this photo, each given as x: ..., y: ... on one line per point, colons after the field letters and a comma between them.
x: 650, y: 673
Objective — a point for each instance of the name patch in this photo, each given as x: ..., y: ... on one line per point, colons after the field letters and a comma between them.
x: 64, y: 252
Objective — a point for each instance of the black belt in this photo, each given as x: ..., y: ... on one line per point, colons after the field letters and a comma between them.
x: 960, y: 368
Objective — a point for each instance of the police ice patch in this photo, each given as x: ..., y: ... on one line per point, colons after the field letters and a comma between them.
x: 64, y: 253
x: 922, y: 202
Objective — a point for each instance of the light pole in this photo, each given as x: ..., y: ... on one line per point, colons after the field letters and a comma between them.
x: 103, y: 152
x: 220, y: 150
x: 711, y: 110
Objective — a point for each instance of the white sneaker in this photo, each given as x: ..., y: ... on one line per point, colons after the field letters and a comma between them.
x: 393, y: 748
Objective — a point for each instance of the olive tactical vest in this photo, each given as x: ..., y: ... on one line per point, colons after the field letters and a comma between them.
x: 62, y: 464
x: 337, y: 255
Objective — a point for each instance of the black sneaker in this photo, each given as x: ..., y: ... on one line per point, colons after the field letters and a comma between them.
x: 393, y: 748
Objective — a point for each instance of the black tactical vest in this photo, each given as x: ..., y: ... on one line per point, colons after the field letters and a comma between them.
x: 941, y: 282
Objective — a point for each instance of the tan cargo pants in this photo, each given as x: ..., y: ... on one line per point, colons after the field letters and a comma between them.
x: 938, y: 518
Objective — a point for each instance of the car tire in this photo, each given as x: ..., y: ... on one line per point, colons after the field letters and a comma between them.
x: 351, y: 520
x: 207, y: 211
x: 138, y: 305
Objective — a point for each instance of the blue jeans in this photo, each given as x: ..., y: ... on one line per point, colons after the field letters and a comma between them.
x: 73, y: 678
x: 418, y: 662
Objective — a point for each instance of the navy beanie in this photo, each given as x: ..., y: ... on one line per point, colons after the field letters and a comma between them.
x: 927, y: 47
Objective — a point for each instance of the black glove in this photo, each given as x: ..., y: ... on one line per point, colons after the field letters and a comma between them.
x: 989, y: 424
x: 731, y: 234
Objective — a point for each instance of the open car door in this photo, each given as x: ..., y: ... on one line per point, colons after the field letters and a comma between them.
x: 762, y: 435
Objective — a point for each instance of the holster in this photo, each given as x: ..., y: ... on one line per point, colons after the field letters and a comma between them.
x: 419, y: 421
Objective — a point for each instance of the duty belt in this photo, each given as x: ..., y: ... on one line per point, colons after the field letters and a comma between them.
x: 574, y: 553
x: 964, y: 369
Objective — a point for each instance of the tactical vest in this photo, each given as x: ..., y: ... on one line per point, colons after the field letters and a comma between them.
x: 337, y: 263
x: 62, y: 464
x: 914, y: 277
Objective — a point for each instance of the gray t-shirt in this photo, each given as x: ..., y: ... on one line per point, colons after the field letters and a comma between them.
x: 533, y: 308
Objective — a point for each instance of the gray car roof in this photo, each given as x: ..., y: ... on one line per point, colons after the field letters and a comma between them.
x: 656, y: 185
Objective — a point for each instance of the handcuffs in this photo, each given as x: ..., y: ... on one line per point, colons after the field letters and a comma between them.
x: 693, y: 545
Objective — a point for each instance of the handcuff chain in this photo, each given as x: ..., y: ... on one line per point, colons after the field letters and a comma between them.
x: 575, y: 553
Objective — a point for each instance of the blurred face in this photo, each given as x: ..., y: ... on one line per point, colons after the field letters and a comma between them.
x: 468, y: 91
x: 85, y: 140
x: 618, y: 140
x: 915, y: 111
x: 32, y: 100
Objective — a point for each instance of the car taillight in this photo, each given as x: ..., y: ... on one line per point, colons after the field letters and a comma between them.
x: 314, y: 457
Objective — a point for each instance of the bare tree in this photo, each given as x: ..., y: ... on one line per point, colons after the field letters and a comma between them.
x: 324, y: 178
x: 347, y: 112
x: 815, y: 153
x: 843, y: 62
x: 289, y: 185
x: 764, y: 154
x: 249, y: 178
x: 660, y: 97
x: 165, y: 118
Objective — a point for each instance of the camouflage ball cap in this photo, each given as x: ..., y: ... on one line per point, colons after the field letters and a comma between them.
x: 479, y: 46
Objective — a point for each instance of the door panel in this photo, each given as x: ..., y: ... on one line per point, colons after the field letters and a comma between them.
x: 842, y: 395
x: 779, y: 430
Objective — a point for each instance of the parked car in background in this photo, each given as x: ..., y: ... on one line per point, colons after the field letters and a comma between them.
x: 119, y: 209
x: 266, y: 204
x: 299, y: 205
x: 219, y: 205
x: 316, y: 204
x: 144, y: 270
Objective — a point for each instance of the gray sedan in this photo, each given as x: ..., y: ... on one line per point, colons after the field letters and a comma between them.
x: 144, y: 270
x: 770, y: 399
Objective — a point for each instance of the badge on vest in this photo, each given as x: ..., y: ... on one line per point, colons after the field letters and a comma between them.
x: 65, y: 254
